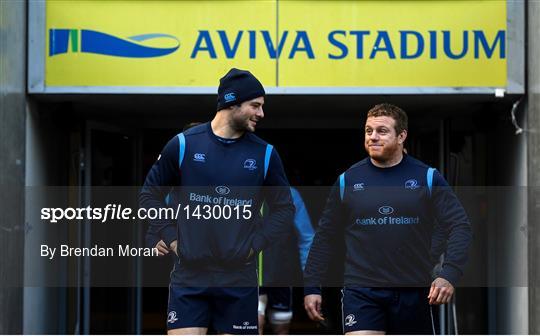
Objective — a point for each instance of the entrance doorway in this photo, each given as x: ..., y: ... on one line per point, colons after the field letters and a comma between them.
x: 111, y: 163
x: 314, y: 154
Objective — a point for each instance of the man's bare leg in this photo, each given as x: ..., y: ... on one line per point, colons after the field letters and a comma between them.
x: 187, y: 331
x: 281, y: 328
x: 263, y: 301
x: 261, y: 324
x: 366, y: 332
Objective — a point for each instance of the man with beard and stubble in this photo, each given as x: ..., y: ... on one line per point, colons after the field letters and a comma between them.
x: 220, y: 173
x: 387, y: 206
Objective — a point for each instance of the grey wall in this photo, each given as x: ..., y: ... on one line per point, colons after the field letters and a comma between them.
x: 12, y: 163
x: 45, y: 166
x: 533, y: 115
x: 507, y: 240
x: 506, y: 229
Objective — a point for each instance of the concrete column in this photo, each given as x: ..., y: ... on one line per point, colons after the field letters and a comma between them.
x: 12, y: 164
x: 533, y: 125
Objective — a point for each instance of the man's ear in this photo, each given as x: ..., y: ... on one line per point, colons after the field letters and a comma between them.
x: 235, y: 107
x: 402, y: 136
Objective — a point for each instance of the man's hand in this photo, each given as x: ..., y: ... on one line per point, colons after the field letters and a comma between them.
x: 441, y: 291
x: 173, y: 247
x: 312, y: 304
x: 162, y: 248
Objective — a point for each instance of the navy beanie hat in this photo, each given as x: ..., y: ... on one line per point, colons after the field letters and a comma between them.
x: 236, y: 87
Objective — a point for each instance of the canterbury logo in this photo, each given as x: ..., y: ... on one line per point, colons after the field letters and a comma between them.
x: 358, y: 187
x: 229, y: 97
x: 199, y: 157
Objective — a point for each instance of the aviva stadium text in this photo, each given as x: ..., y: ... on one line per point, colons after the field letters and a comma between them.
x: 359, y: 44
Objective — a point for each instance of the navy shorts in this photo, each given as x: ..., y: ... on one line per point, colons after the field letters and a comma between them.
x: 231, y: 310
x: 393, y: 310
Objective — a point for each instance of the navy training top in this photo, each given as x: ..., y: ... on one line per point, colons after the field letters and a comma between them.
x: 387, y: 216
x: 218, y: 174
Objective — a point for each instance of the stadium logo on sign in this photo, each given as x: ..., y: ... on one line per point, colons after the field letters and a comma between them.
x: 404, y: 44
x: 95, y: 42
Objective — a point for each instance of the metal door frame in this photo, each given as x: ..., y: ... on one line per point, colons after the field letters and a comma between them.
x: 84, y: 267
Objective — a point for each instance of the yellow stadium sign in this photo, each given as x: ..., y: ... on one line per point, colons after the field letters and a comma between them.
x: 313, y: 45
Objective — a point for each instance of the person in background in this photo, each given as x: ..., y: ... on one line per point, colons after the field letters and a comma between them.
x: 275, y: 302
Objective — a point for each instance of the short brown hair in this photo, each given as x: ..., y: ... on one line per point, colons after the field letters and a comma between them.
x: 392, y: 111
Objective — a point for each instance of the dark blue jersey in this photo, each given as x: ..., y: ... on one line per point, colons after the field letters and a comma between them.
x: 388, y: 216
x: 231, y: 178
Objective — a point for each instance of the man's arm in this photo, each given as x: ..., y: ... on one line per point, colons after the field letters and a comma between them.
x: 454, y: 221
x: 303, y: 226
x: 164, y: 174
x: 320, y: 252
x: 277, y: 195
